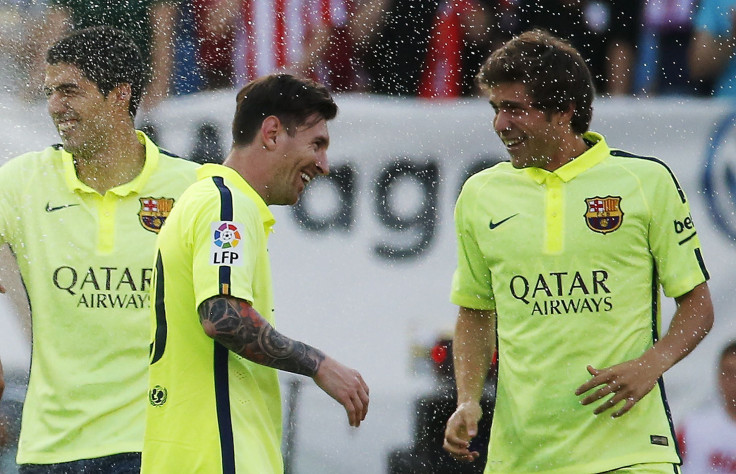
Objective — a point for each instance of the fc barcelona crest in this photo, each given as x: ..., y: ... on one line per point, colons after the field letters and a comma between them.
x: 154, y: 212
x: 603, y: 214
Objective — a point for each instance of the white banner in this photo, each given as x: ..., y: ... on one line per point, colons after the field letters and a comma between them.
x: 362, y: 266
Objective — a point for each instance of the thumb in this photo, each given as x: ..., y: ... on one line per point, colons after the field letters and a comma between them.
x: 592, y: 370
x: 471, y: 426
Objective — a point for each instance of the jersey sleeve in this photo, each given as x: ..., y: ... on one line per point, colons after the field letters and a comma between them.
x: 472, y: 282
x: 9, y: 209
x: 225, y: 250
x: 673, y: 239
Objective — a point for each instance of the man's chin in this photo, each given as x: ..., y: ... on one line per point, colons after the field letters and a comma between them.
x: 519, y: 163
x: 70, y: 147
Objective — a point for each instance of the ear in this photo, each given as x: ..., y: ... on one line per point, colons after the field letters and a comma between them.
x: 270, y: 129
x: 566, y: 115
x: 122, y: 93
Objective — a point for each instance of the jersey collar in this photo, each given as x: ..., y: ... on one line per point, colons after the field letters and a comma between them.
x: 594, y: 155
x: 211, y: 169
x: 134, y: 186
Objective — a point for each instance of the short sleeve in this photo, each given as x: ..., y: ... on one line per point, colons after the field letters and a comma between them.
x: 224, y: 252
x: 8, y: 207
x: 673, y: 239
x: 472, y: 281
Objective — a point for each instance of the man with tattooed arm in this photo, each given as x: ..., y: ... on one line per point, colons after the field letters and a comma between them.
x: 214, y: 402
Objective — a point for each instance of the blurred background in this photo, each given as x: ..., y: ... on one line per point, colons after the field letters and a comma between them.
x: 362, y: 265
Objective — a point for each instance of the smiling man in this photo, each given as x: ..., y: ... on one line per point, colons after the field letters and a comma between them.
x: 561, y: 256
x: 81, y: 218
x: 214, y: 402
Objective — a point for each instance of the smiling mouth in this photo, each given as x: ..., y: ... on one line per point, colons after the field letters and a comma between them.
x: 512, y: 142
x: 66, y: 125
x: 306, y: 178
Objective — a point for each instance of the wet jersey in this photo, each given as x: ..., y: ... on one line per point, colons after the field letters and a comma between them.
x: 85, y: 260
x: 572, y: 262
x: 211, y: 410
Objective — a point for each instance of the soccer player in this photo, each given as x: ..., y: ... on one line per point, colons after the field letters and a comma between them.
x: 214, y: 402
x: 561, y: 254
x: 81, y: 219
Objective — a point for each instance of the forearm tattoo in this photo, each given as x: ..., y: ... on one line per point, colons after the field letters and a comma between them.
x: 237, y: 326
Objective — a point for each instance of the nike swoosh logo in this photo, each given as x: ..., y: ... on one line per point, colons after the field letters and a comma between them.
x: 492, y: 226
x: 56, y: 208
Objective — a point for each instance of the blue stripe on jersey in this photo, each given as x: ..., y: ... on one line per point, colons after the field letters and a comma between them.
x: 625, y: 154
x: 701, y: 262
x: 226, y: 214
x: 222, y: 402
x: 226, y: 199
x: 221, y: 353
x: 660, y: 381
x: 159, y: 342
x: 168, y: 153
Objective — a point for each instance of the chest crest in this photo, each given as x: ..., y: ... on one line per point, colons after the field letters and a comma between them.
x: 154, y: 212
x: 603, y: 214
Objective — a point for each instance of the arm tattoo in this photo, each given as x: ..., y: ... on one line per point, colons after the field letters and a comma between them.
x: 237, y: 326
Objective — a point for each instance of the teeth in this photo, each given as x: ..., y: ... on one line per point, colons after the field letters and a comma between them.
x: 306, y: 177
x: 63, y: 126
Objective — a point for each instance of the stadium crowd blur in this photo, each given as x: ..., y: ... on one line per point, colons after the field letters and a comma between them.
x: 425, y: 48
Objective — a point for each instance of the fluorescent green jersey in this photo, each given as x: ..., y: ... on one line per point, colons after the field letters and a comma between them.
x: 572, y: 262
x: 211, y: 410
x: 85, y: 260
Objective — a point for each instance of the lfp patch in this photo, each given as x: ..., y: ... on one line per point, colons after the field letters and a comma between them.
x: 603, y: 214
x: 154, y: 212
x: 226, y: 248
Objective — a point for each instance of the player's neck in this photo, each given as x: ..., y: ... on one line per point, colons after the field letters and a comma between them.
x: 570, y: 148
x: 253, y: 165
x: 117, y: 160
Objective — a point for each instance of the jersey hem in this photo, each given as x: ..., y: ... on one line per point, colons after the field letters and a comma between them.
x: 61, y: 457
x: 603, y: 466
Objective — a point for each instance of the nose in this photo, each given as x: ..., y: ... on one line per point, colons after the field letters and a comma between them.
x: 55, y: 103
x: 501, y: 122
x: 323, y: 167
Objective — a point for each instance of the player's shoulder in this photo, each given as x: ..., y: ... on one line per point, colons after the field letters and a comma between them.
x: 27, y: 162
x: 170, y: 160
x: 498, y: 172
x: 210, y: 195
x: 642, y: 165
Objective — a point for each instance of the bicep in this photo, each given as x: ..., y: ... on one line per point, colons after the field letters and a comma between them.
x: 232, y: 322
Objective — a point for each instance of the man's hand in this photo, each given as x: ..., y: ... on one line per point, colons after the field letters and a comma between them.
x: 461, y: 428
x: 628, y: 382
x: 346, y: 386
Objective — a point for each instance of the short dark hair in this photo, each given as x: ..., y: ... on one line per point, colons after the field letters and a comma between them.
x: 106, y: 56
x: 553, y: 71
x: 292, y: 99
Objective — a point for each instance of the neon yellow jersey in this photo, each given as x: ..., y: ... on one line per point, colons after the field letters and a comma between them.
x: 211, y: 410
x: 85, y: 260
x: 572, y: 262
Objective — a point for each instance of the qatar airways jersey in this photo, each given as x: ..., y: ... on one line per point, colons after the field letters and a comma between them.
x: 572, y: 262
x: 85, y: 259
